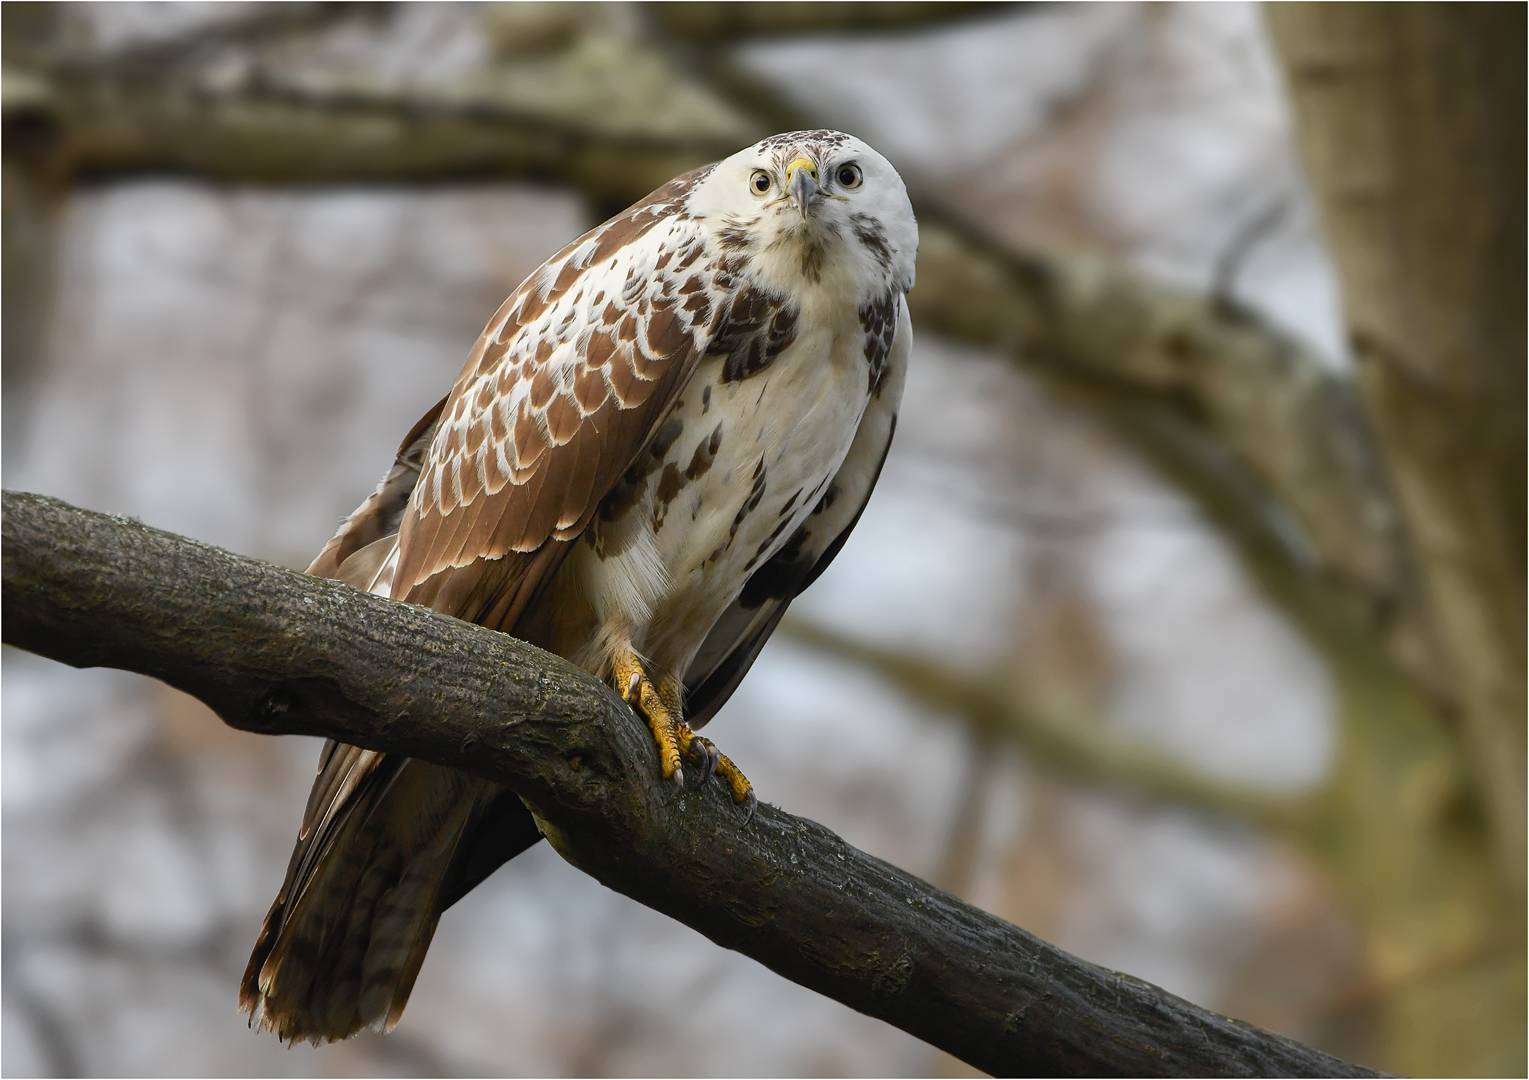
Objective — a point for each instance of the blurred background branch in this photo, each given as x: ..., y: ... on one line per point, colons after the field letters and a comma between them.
x: 1073, y: 744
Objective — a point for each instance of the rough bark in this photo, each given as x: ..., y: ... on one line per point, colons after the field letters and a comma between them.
x: 1411, y: 120
x: 277, y: 652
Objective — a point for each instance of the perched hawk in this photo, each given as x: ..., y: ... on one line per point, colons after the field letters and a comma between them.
x: 661, y: 438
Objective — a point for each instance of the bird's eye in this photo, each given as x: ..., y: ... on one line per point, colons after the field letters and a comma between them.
x: 848, y: 176
x: 759, y: 183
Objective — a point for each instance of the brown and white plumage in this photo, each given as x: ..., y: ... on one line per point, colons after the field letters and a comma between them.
x: 660, y: 439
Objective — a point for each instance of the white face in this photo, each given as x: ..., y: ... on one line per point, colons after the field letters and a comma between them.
x: 818, y: 205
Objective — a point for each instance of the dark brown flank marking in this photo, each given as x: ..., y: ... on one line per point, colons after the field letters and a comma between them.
x: 705, y: 454
x: 756, y: 492
x: 764, y: 546
x: 706, y: 399
x: 626, y: 493
x: 665, y: 436
x: 796, y: 566
x: 670, y: 484
x: 776, y: 578
x: 879, y: 320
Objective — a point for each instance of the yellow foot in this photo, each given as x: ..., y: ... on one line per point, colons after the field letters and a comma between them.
x: 663, y: 716
x: 661, y: 706
x: 715, y: 761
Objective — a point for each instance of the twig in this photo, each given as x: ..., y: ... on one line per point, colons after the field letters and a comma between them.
x: 1244, y: 241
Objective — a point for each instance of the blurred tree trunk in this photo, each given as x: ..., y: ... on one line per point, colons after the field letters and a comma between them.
x: 1411, y: 123
x: 1411, y: 120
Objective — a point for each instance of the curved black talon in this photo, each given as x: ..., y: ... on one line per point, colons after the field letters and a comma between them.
x: 710, y: 757
x: 753, y: 804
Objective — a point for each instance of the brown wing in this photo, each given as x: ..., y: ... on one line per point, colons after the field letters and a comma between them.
x: 559, y: 395
x: 557, y: 399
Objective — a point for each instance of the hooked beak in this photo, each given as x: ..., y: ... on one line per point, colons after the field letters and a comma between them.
x: 803, y: 185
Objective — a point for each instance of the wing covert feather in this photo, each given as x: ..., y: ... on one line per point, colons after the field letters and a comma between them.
x: 559, y: 395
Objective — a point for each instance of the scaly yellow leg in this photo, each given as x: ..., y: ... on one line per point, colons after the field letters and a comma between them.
x: 636, y: 689
x: 664, y: 710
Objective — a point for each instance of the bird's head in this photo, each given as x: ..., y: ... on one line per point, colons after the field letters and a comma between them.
x: 815, y: 205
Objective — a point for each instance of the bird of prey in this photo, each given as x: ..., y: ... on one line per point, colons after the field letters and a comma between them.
x: 662, y: 437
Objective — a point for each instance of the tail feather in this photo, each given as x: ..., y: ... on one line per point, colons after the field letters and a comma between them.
x: 344, y: 942
x: 387, y: 843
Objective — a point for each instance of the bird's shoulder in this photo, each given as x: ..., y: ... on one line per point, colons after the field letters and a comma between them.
x: 565, y: 386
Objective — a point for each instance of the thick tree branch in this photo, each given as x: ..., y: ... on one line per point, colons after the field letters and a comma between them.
x: 277, y: 652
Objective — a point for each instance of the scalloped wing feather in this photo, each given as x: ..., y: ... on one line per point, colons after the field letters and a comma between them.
x: 560, y: 394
